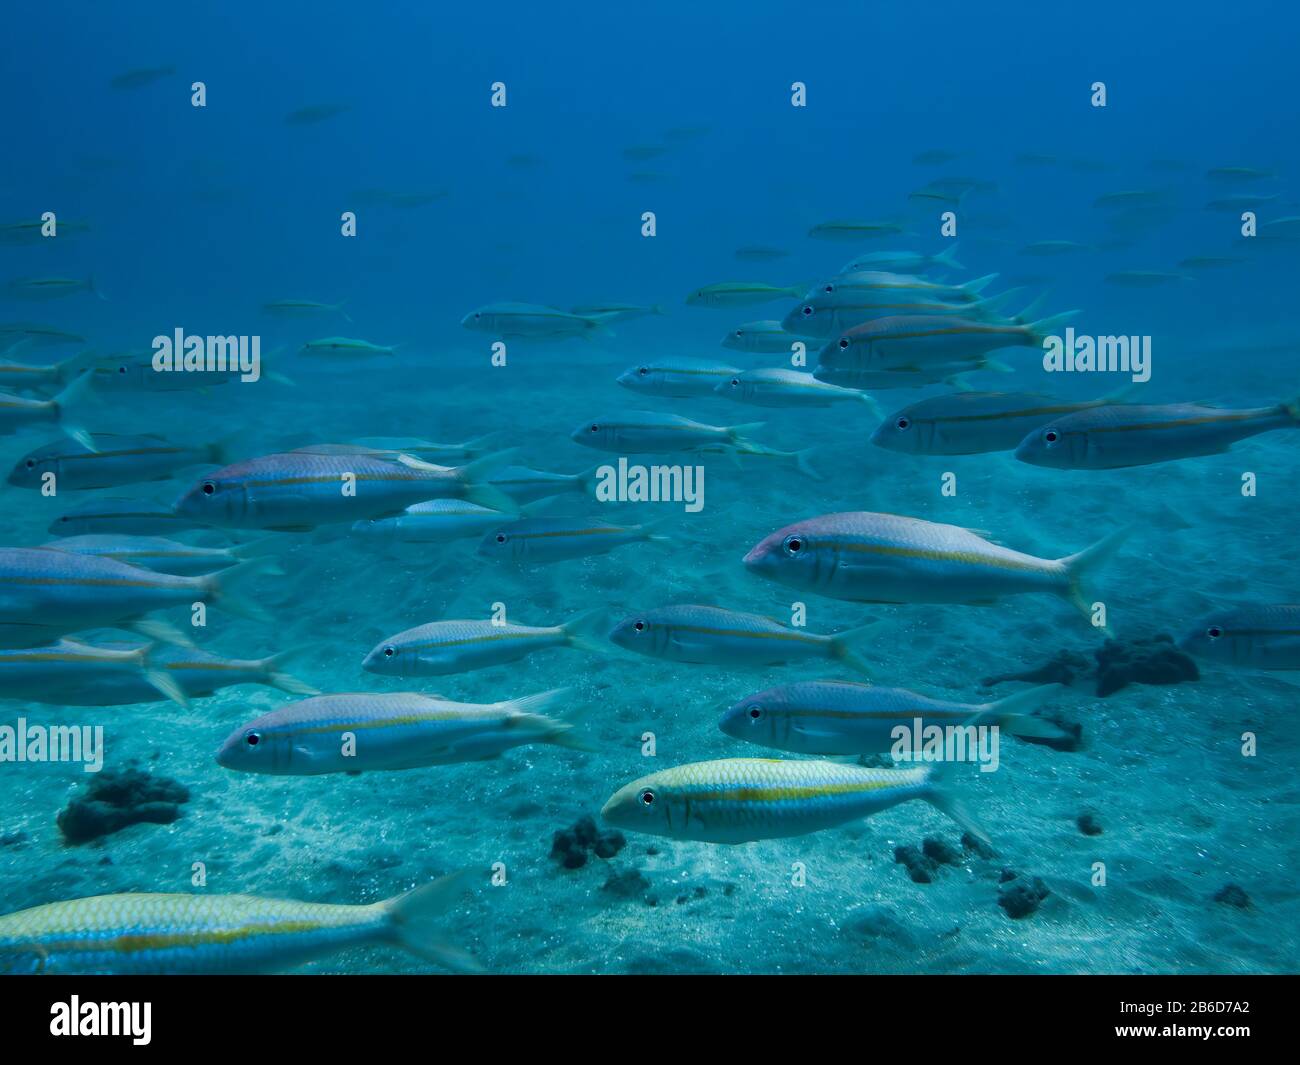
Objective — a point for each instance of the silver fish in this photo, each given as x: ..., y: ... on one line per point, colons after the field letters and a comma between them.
x: 554, y: 539
x: 1248, y: 637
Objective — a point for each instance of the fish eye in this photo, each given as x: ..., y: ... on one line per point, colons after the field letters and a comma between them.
x: 793, y: 545
x: 595, y: 428
x: 807, y: 311
x: 252, y: 737
x: 639, y: 626
x: 844, y: 343
x: 740, y: 332
x: 647, y: 797
x: 643, y: 370
x: 389, y: 652
x: 829, y: 288
x: 477, y: 314
x: 501, y: 538
x: 903, y: 423
x: 1051, y: 436
x: 755, y: 712
x: 1214, y: 632
x: 736, y: 381
x: 208, y: 488
x: 121, y: 369
x: 31, y: 464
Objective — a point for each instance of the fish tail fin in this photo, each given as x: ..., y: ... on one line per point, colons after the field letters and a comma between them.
x: 587, y: 478
x: 339, y: 307
x: 539, y: 712
x: 1080, y: 564
x: 411, y: 918
x: 993, y: 304
x: 1292, y: 408
x: 272, y: 669
x: 1014, y: 713
x: 70, y: 402
x: 842, y: 644
x: 1043, y: 328
x: 803, y: 462
x: 73, y: 366
x: 159, y: 631
x: 91, y: 287
x: 941, y: 797
x: 869, y: 401
x: 220, y: 586
x: 948, y: 258
x: 979, y: 284
x: 166, y: 686
x: 586, y: 631
x: 1032, y: 309
x: 475, y: 488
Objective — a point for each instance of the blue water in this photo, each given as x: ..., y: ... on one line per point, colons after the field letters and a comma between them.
x: 198, y: 216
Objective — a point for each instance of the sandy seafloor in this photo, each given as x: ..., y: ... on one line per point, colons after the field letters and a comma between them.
x: 1183, y: 812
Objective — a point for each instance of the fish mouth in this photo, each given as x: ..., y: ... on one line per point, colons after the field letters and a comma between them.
x: 756, y: 554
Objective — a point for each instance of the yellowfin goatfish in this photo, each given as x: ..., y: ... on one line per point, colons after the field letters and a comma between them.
x: 197, y: 673
x: 842, y: 229
x: 766, y: 337
x: 46, y: 594
x: 50, y: 288
x: 554, y: 539
x: 144, y: 934
x: 739, y: 800
x: 885, y: 558
x: 299, y: 490
x: 437, y: 521
x: 838, y: 305
x: 534, y: 320
x: 364, y: 731
x: 303, y: 309
x: 444, y: 647
x: 120, y: 516
x: 711, y: 635
x: 617, y: 312
x: 137, y: 79
x: 1112, y: 437
x: 905, y: 262
x: 973, y: 423
x: 527, y: 486
x: 908, y: 342
x: 675, y: 377
x: 777, y: 387
x: 1248, y: 637
x: 20, y: 412
x: 346, y: 346
x: 841, y: 717
x: 23, y: 377
x: 739, y: 294
x: 160, y: 554
x: 35, y: 232
x: 107, y: 460
x: 70, y: 673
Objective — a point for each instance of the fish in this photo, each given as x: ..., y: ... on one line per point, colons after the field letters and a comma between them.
x: 115, y: 516
x: 19, y: 335
x: 853, y: 277
x: 133, y: 371
x: 107, y: 460
x: 437, y: 521
x: 301, y: 490
x: 676, y: 377
x: 303, y: 309
x: 934, y: 157
x: 640, y: 153
x: 22, y: 377
x: 197, y: 673
x: 974, y: 423
x: 740, y: 294
x: 617, y: 312
x: 1144, y: 278
x: 1247, y: 636
x: 840, y: 717
x: 138, y: 79
x: 740, y: 800
x: 534, y: 320
x: 47, y: 594
x: 346, y: 346
x: 1209, y: 262
x: 444, y: 647
x: 904, y: 262
x: 32, y: 233
x: 838, y: 305
x: 910, y: 342
x: 528, y: 486
x: 429, y: 450
x: 1239, y: 173
x: 850, y: 229
x: 160, y: 554
x: 315, y: 113
x: 760, y: 254
x: 163, y: 934
x: 18, y: 413
x: 1282, y: 229
x: 1240, y: 202
x: 1054, y: 247
x: 1115, y: 437
x: 49, y: 288
x: 392, y: 731
x: 766, y: 337
x: 709, y: 635
x: 867, y: 557
x: 71, y: 673
x: 555, y: 539
x: 1130, y: 198
x: 777, y: 387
